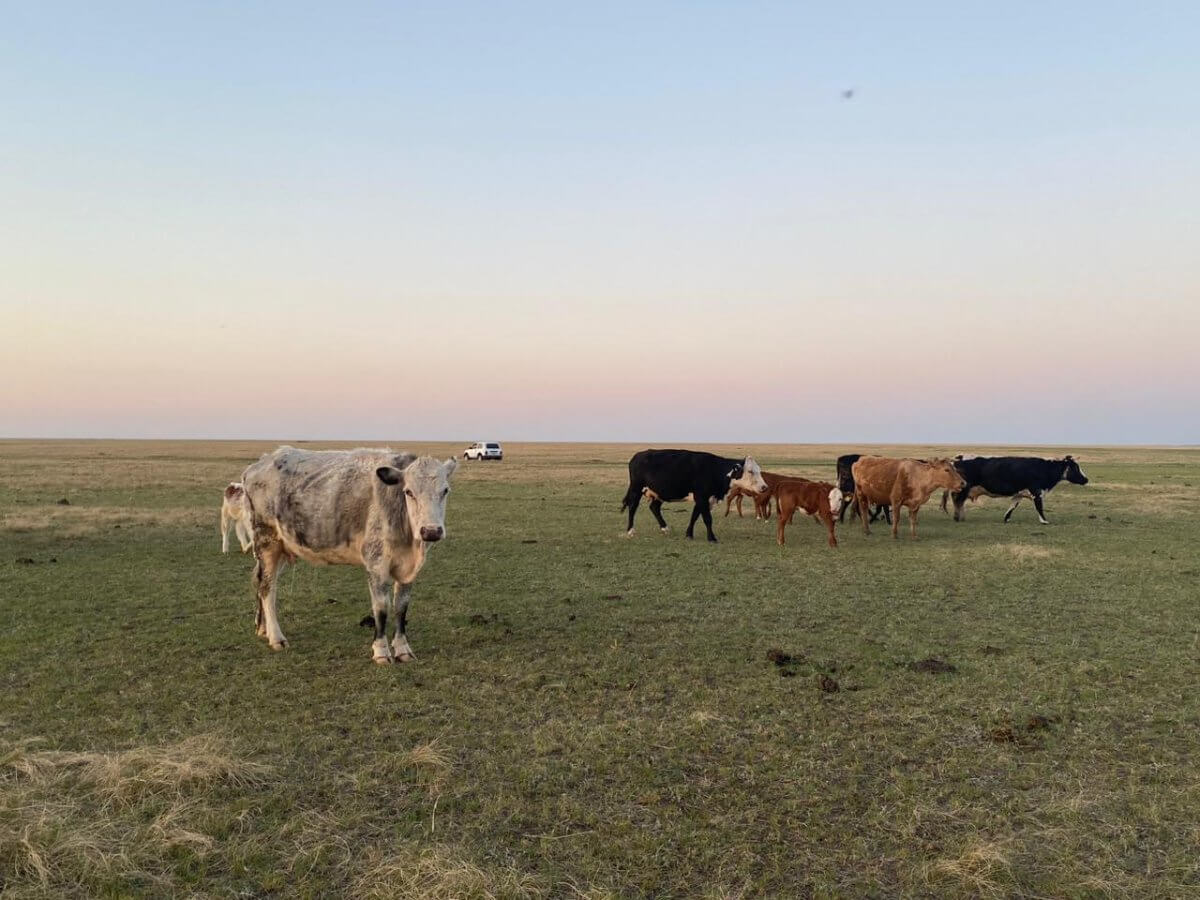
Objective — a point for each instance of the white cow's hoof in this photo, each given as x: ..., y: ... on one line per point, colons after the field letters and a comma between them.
x: 402, y: 651
x: 629, y: 533
x: 281, y: 645
x: 664, y: 530
x: 381, y: 653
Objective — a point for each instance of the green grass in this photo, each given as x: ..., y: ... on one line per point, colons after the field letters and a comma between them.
x: 591, y: 715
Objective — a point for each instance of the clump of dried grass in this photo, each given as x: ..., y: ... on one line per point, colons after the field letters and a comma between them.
x: 438, y: 874
x: 432, y: 761
x: 983, y: 868
x: 68, y: 817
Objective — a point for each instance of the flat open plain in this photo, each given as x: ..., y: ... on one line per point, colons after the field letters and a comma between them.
x: 595, y: 716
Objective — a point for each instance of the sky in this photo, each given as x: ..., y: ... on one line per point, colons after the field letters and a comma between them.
x: 647, y: 221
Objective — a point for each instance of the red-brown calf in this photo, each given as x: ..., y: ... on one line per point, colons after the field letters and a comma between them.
x: 817, y: 498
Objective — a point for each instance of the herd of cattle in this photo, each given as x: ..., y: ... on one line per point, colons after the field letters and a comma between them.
x: 863, y: 482
x: 383, y: 510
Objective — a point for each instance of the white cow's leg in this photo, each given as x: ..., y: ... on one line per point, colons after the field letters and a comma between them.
x: 1037, y: 503
x: 400, y: 648
x: 271, y: 563
x: 380, y: 651
x: 224, y: 531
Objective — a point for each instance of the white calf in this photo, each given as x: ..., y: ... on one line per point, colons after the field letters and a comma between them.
x: 235, y: 511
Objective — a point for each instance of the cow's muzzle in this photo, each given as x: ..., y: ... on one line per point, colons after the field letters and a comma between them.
x: 432, y: 533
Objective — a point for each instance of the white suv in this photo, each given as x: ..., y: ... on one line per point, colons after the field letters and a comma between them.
x: 484, y: 450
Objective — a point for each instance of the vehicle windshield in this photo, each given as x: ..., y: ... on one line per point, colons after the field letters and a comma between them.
x: 493, y: 446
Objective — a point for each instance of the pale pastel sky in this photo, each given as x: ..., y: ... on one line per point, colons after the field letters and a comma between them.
x: 614, y: 221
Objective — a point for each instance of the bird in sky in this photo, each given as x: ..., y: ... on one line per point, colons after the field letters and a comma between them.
x: 848, y: 94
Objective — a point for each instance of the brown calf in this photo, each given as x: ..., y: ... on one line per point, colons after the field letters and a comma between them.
x: 762, y: 502
x: 817, y: 498
x: 901, y: 482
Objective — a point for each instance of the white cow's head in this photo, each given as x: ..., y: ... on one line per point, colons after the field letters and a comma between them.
x: 835, y: 499
x: 748, y: 476
x: 426, y: 485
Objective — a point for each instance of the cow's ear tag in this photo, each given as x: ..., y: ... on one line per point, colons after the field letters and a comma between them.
x: 389, y: 475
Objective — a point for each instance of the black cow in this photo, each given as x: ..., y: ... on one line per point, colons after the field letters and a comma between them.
x: 1018, y: 477
x: 665, y: 475
x: 845, y: 483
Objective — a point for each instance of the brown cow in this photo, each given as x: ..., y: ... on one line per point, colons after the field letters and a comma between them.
x: 762, y: 502
x: 817, y: 498
x: 901, y: 482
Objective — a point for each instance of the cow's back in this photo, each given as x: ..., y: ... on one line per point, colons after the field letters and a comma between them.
x: 874, y: 477
x: 673, y: 474
x: 316, y: 499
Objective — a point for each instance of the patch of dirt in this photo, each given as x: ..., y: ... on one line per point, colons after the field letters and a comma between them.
x: 989, y: 650
x: 26, y: 561
x: 1003, y: 735
x: 614, y: 596
x: 780, y: 658
x: 63, y: 502
x: 478, y: 619
x: 1039, y: 722
x: 828, y: 685
x: 529, y: 541
x: 787, y: 673
x: 932, y: 665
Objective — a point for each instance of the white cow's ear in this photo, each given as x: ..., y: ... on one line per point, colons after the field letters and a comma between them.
x: 449, y: 466
x: 390, y: 476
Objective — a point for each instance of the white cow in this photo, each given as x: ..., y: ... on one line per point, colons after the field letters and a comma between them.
x: 379, y: 509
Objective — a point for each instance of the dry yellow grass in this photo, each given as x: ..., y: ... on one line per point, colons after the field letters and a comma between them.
x: 67, y: 815
x: 983, y: 869
x: 437, y: 873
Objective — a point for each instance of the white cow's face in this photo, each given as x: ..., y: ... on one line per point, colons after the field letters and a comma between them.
x: 426, y: 485
x: 835, y: 499
x: 749, y: 478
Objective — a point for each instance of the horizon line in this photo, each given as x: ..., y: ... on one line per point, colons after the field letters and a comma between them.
x: 773, y: 443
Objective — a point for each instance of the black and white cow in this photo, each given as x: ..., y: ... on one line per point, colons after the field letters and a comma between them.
x: 666, y: 475
x: 1019, y: 477
x: 845, y: 483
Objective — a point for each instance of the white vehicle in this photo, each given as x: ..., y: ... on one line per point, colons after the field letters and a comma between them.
x: 484, y: 450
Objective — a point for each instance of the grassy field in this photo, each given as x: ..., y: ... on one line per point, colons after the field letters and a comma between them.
x: 594, y: 716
